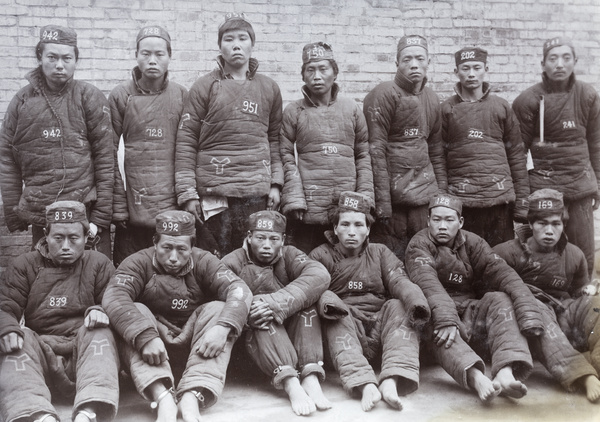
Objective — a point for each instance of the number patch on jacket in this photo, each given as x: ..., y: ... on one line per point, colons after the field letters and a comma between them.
x: 330, y: 149
x: 568, y: 124
x: 355, y: 285
x: 411, y: 131
x: 250, y: 107
x: 475, y: 134
x: 154, y: 132
x: 57, y: 301
x: 179, y: 304
x: 455, y: 278
x: 51, y: 133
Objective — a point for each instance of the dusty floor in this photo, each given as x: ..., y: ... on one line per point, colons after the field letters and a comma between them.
x: 438, y: 399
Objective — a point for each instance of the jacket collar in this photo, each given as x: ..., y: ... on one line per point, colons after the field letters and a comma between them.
x: 458, y: 90
x: 408, y: 85
x: 550, y: 86
x: 187, y: 268
x: 37, y: 79
x: 524, y: 232
x: 250, y: 74
x: 334, y: 92
x: 136, y: 74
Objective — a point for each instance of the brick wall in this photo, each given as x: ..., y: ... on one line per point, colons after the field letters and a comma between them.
x: 363, y: 34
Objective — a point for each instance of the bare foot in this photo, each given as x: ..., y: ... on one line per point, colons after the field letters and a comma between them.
x: 592, y: 388
x: 188, y: 405
x: 510, y: 386
x: 302, y: 404
x: 370, y: 396
x: 389, y: 391
x: 485, y: 387
x: 311, y: 385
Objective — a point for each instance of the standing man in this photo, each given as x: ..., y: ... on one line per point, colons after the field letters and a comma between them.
x: 57, y: 291
x: 145, y: 111
x: 556, y: 272
x: 56, y: 143
x: 471, y: 292
x: 379, y: 309
x: 284, y: 331
x: 173, y: 304
x: 560, y: 126
x: 485, y: 158
x: 327, y: 135
x: 405, y: 137
x: 227, y: 157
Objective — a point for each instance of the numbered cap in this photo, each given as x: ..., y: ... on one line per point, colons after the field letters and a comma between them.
x: 67, y: 212
x: 54, y: 34
x: 235, y: 21
x: 411, y: 41
x: 470, y: 54
x: 354, y: 201
x: 153, y: 31
x: 316, y: 51
x: 269, y: 221
x: 175, y: 223
x: 557, y: 42
x: 445, y: 200
x: 546, y: 200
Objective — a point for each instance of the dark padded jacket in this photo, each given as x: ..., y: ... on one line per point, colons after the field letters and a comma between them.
x: 568, y: 159
x: 148, y: 123
x: 228, y: 138
x: 57, y: 146
x: 140, y: 278
x: 450, y: 275
x: 485, y: 158
x: 289, y: 284
x: 562, y: 273
x: 53, y: 300
x: 405, y: 137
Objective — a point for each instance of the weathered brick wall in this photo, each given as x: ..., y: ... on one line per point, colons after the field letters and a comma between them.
x: 363, y: 33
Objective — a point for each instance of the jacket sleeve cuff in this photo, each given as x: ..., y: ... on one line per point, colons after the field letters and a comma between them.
x: 143, y: 338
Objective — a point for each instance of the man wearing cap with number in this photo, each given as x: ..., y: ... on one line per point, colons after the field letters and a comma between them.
x: 327, y: 135
x: 485, y: 158
x: 284, y: 336
x: 173, y: 303
x: 56, y: 142
x: 57, y: 291
x: 565, y: 141
x: 405, y: 130
x: 471, y: 292
x: 375, y: 309
x: 227, y: 160
x: 145, y: 111
x: 556, y: 272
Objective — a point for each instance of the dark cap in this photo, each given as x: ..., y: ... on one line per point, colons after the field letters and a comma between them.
x: 412, y: 41
x: 557, y: 42
x: 316, y: 51
x: 54, y: 34
x: 268, y: 221
x: 67, y: 212
x: 549, y: 200
x: 470, y: 54
x: 153, y: 31
x: 236, y: 21
x: 445, y: 200
x: 175, y: 223
x: 354, y: 201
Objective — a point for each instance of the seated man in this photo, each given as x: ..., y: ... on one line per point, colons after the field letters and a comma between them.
x: 556, y: 272
x: 471, y: 292
x: 285, y: 330
x: 382, y: 307
x: 179, y: 302
x: 57, y: 289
